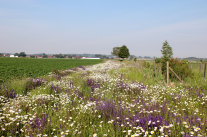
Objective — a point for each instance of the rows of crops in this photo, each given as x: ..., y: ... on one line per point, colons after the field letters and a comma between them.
x: 23, y: 67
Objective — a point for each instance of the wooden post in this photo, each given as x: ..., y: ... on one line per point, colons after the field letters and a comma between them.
x: 205, y: 70
x: 167, y: 73
x: 155, y: 69
x: 200, y: 68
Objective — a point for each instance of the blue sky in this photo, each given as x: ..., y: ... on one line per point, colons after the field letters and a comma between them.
x: 96, y: 26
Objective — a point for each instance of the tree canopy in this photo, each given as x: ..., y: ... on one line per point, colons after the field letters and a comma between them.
x: 22, y: 54
x: 123, y: 52
x: 166, y: 51
x: 115, y: 51
x: 44, y: 55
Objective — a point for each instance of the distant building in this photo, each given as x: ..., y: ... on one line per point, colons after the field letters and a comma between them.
x: 89, y: 58
x: 6, y: 55
x: 50, y: 57
x: 38, y: 56
x: 76, y: 57
x: 27, y: 56
x: 67, y: 57
x: 12, y: 56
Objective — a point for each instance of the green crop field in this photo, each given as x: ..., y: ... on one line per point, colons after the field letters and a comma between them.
x: 22, y: 67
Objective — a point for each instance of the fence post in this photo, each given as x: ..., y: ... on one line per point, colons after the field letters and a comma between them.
x: 167, y: 73
x: 155, y: 69
x: 205, y: 70
x: 200, y: 68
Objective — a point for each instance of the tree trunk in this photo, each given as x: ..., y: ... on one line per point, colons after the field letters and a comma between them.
x: 167, y: 73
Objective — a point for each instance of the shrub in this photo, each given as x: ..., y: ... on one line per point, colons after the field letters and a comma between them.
x: 148, y: 65
x: 164, y: 66
x: 181, y: 68
x: 158, y: 60
x: 135, y: 59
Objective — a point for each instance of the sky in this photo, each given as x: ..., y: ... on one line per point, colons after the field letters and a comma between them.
x: 96, y: 26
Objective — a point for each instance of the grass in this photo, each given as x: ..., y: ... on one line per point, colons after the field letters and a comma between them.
x: 143, y: 72
x: 198, y: 79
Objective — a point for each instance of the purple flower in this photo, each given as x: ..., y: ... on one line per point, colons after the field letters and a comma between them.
x: 40, y: 122
x: 93, y: 84
x: 10, y: 93
x: 82, y: 67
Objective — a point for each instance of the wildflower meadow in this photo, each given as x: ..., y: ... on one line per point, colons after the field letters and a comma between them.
x: 100, y: 100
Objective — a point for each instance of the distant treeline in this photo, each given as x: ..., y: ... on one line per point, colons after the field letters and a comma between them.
x: 44, y: 55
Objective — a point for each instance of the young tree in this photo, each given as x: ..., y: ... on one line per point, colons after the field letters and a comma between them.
x: 123, y: 52
x: 166, y: 51
x: 166, y: 55
x: 115, y: 51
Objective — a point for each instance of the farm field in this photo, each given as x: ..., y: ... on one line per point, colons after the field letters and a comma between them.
x: 22, y: 67
x: 107, y: 99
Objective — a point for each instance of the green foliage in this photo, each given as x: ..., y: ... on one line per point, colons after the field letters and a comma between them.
x: 135, y: 59
x: 147, y: 65
x: 123, y: 52
x: 158, y: 60
x: 22, y: 67
x: 16, y: 54
x: 166, y: 56
x: 164, y: 66
x: 18, y: 85
x: 144, y: 75
x: 22, y: 54
x: 115, y: 51
x: 166, y: 51
x: 59, y: 56
x: 181, y: 68
x: 44, y: 55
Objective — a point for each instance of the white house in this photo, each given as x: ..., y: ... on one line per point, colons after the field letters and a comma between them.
x: 89, y: 58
